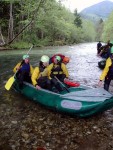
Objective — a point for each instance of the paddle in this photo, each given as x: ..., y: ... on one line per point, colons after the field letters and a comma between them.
x: 62, y: 84
x: 11, y: 80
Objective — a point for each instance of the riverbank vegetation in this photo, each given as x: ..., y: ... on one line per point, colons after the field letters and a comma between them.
x: 108, y: 28
x: 43, y: 23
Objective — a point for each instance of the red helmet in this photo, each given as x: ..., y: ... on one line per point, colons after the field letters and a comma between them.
x: 66, y: 60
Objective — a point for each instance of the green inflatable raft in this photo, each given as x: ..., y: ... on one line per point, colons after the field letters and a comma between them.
x: 79, y: 101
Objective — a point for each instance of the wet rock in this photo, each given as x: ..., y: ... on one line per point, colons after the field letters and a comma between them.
x: 88, y: 133
x: 25, y: 135
x: 14, y: 122
x: 98, y: 130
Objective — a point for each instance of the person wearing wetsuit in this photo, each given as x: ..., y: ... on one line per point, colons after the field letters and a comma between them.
x: 107, y: 74
x: 59, y: 70
x: 40, y: 76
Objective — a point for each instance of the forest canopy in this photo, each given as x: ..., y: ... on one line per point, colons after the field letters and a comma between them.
x: 43, y: 23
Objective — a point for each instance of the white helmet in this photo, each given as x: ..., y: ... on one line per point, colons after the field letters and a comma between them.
x: 44, y: 58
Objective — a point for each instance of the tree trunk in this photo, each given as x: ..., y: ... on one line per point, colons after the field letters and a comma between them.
x: 42, y: 34
x: 40, y: 3
x: 10, y: 30
x: 2, y: 42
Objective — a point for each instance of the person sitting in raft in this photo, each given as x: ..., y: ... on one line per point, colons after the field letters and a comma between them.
x: 107, y: 73
x: 59, y: 70
x: 24, y: 71
x: 40, y: 76
x: 64, y: 58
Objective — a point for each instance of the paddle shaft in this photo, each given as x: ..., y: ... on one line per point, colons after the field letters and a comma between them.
x: 62, y: 84
x: 30, y: 49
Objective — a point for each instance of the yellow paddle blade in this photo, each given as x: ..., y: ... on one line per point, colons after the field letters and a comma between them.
x: 9, y: 83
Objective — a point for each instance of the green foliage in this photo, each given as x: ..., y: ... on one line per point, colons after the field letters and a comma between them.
x: 43, y: 42
x: 89, y: 33
x: 52, y: 24
x: 108, y: 29
x: 77, y: 20
x: 99, y: 29
x: 20, y: 44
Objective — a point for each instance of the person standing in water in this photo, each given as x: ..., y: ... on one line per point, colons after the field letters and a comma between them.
x: 99, y: 45
x: 107, y: 74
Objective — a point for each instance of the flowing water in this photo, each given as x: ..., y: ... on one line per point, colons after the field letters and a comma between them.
x: 24, y: 125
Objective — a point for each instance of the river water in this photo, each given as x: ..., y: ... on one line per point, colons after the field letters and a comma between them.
x: 24, y: 125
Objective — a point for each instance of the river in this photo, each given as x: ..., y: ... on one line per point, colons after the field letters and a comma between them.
x: 24, y: 125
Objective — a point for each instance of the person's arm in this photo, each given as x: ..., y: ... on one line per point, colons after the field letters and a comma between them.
x: 105, y: 71
x: 31, y: 69
x: 97, y: 46
x: 17, y: 67
x: 34, y: 76
x: 65, y: 71
x: 49, y: 68
x: 102, y: 50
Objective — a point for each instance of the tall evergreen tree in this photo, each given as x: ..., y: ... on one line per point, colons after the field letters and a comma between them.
x: 99, y: 29
x: 77, y: 20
